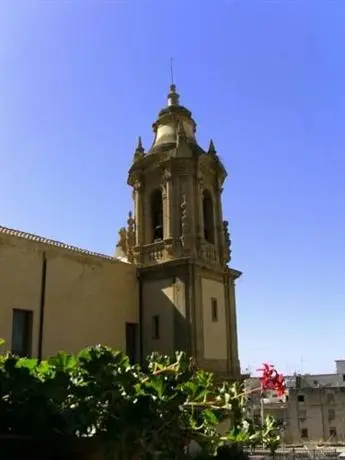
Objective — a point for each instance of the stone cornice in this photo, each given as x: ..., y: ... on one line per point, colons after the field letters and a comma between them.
x: 235, y: 274
x: 163, y: 267
x: 209, y: 162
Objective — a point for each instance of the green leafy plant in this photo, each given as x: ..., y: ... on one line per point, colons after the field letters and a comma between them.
x: 127, y: 411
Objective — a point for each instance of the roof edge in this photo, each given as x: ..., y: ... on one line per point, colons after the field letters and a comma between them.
x: 12, y: 233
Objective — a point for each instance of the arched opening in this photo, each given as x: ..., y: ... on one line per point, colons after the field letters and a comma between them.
x: 157, y: 215
x: 208, y: 217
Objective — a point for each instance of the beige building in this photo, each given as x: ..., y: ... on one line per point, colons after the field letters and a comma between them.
x: 312, y: 411
x: 316, y: 406
x: 169, y: 286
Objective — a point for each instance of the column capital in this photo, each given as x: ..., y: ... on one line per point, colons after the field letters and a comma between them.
x: 138, y: 186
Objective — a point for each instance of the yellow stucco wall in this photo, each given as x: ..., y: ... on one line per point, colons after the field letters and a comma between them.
x: 215, y: 346
x: 88, y: 299
x: 158, y: 299
x: 20, y: 278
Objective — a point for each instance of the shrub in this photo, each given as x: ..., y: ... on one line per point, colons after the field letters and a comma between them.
x: 131, y: 412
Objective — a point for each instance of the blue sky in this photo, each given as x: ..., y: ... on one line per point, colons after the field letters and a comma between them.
x: 81, y: 79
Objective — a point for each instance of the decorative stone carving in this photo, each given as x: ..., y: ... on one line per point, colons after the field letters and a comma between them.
x: 138, y: 186
x: 185, y: 222
x: 130, y: 237
x: 184, y: 213
x: 166, y: 175
x: 181, y: 133
x: 227, y: 240
x: 122, y: 243
x: 169, y: 248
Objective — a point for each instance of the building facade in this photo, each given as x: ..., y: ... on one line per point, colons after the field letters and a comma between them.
x: 316, y: 406
x: 313, y: 409
x: 169, y: 286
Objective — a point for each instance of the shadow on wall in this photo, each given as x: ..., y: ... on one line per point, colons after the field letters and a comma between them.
x: 165, y: 313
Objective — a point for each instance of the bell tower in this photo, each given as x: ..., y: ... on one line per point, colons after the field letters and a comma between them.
x: 181, y: 245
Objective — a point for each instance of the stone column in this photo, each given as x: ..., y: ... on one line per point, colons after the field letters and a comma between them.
x: 228, y: 323
x: 167, y: 196
x: 201, y: 210
x: 138, y: 213
x: 220, y: 241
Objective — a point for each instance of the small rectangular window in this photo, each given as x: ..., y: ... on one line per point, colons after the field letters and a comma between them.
x: 155, y: 327
x: 343, y: 377
x: 22, y: 332
x: 304, y: 433
x: 332, y: 432
x: 214, y: 309
x: 300, y: 398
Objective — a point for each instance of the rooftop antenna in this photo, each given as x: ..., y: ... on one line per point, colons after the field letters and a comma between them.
x: 173, y: 97
x: 172, y: 70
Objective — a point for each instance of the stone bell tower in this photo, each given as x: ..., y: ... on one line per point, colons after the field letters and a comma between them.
x: 181, y: 245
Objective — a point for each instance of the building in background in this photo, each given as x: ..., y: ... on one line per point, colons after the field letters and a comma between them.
x: 275, y: 406
x: 169, y: 287
x: 313, y: 410
x: 316, y: 406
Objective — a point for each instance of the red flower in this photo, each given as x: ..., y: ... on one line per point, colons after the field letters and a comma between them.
x: 271, y: 380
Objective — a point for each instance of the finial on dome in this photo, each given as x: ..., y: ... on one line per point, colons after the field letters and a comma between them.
x: 173, y: 97
x: 211, y: 149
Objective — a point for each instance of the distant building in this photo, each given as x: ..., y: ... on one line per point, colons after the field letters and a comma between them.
x: 316, y: 406
x: 313, y: 409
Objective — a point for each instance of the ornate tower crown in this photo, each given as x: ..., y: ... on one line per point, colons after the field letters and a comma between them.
x: 177, y: 193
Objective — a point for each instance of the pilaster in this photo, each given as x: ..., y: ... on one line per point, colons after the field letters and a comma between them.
x: 167, y: 195
x: 233, y: 325
x: 138, y: 213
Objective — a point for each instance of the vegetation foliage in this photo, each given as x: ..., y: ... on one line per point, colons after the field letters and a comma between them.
x: 134, y: 413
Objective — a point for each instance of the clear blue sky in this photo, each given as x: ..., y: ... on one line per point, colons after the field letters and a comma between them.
x: 81, y: 79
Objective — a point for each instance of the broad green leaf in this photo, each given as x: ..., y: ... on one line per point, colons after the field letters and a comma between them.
x: 28, y: 363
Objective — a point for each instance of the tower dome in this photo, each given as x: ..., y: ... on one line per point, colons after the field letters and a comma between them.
x: 173, y: 121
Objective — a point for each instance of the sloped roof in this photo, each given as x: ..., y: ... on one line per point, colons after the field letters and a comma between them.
x: 53, y: 243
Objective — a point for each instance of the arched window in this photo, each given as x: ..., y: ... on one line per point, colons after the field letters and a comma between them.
x: 157, y: 215
x: 208, y: 217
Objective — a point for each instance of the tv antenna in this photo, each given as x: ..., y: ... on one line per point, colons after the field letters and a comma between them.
x: 172, y: 70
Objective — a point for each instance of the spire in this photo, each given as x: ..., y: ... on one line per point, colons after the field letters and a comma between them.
x: 140, y: 147
x: 139, y: 151
x: 173, y: 97
x: 211, y: 149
